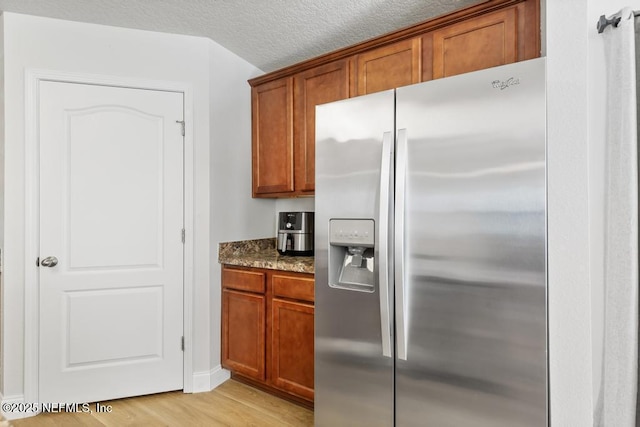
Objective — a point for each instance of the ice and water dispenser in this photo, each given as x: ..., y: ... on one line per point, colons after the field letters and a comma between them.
x: 351, y: 254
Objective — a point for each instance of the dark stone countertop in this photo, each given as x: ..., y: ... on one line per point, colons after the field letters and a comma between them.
x: 262, y: 253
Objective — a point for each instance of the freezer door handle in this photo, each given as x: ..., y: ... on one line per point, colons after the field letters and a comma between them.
x: 400, y: 289
x: 383, y: 242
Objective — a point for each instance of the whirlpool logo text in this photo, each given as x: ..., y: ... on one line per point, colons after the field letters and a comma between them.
x: 504, y: 84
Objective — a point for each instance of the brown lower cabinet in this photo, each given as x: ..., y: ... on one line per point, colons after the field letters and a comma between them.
x: 292, y: 347
x: 267, y: 330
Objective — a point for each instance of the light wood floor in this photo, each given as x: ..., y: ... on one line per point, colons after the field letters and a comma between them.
x: 231, y: 404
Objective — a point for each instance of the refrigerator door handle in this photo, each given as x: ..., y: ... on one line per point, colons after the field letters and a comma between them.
x: 400, y: 290
x: 383, y: 243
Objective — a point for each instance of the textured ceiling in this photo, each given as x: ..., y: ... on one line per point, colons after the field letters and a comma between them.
x: 269, y: 34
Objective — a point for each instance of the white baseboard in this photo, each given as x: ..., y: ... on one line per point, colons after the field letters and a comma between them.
x: 208, y: 380
x: 13, y: 407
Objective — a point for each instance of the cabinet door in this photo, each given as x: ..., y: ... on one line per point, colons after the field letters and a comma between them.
x: 483, y: 42
x: 316, y: 86
x: 292, y: 347
x: 272, y: 139
x: 243, y: 333
x: 388, y: 67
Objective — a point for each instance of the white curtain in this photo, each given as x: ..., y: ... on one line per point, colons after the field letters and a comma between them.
x: 616, y: 406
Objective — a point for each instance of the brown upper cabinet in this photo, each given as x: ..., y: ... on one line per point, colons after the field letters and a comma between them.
x: 319, y: 85
x: 388, y: 67
x: 272, y: 137
x: 497, y: 38
x: 492, y: 33
x: 481, y: 43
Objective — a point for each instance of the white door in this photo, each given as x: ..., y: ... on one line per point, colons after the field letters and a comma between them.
x: 111, y: 214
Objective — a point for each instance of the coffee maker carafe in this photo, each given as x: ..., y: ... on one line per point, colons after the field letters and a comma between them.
x: 295, y: 233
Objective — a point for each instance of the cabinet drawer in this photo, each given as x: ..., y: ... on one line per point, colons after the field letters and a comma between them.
x: 301, y: 288
x: 243, y: 280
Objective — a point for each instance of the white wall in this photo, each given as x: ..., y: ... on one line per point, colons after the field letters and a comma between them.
x: 1, y: 199
x: 234, y: 214
x: 576, y: 83
x: 221, y: 135
x: 597, y: 109
x: 570, y: 351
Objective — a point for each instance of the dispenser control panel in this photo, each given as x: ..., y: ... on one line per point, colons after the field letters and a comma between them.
x: 351, y: 232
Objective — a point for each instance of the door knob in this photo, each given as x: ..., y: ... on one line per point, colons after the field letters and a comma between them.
x: 49, y: 261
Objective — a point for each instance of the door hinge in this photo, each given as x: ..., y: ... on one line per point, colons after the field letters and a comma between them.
x: 183, y: 235
x: 182, y: 343
x: 181, y: 123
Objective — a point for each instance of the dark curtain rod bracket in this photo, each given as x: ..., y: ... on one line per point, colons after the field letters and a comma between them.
x: 604, y: 22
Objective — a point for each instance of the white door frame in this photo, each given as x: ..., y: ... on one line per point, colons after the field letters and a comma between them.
x: 33, y: 77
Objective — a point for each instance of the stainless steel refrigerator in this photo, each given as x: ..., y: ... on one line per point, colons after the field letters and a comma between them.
x: 430, y: 244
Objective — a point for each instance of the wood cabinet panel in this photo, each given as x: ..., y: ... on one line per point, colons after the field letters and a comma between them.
x: 292, y: 347
x: 243, y: 280
x: 528, y: 25
x: 319, y: 85
x: 266, y: 339
x: 293, y: 287
x: 272, y: 137
x: 388, y: 67
x: 243, y: 333
x: 482, y: 35
x: 483, y: 42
